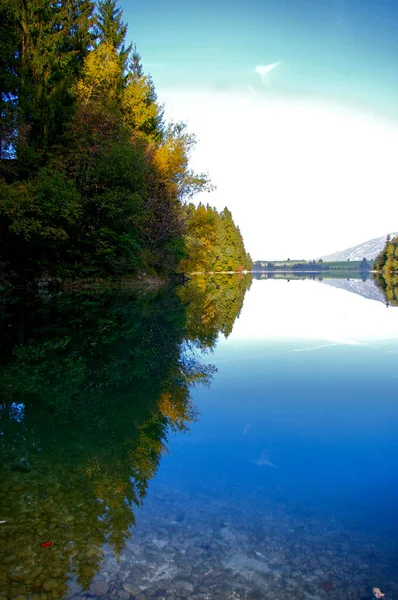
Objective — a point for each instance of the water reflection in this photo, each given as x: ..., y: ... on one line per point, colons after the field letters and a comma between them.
x: 331, y: 310
x: 388, y: 285
x: 91, y: 387
x: 285, y: 486
x: 380, y: 287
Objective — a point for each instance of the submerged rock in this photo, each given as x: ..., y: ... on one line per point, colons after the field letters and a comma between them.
x: 99, y: 588
x: 132, y: 588
x: 50, y: 585
x: 328, y: 586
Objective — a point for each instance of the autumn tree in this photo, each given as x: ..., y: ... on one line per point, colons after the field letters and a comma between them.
x: 95, y: 181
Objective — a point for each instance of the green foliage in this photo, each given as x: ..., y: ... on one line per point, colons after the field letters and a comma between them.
x: 94, y: 182
x: 37, y: 219
x: 54, y: 40
x: 110, y: 29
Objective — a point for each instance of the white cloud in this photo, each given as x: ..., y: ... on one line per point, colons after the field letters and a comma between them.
x: 302, y: 178
x: 263, y: 70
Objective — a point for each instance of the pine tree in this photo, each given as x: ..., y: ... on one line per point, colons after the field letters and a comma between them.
x: 110, y: 29
x: 9, y: 35
x: 140, y: 103
x: 55, y: 38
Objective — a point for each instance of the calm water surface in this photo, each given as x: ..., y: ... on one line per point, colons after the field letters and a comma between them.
x: 276, y: 479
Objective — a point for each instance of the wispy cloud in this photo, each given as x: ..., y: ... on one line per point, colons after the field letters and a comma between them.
x: 263, y: 70
x: 247, y: 427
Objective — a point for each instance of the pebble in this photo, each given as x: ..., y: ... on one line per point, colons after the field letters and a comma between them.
x: 325, y: 562
x: 194, y: 552
x: 50, y: 585
x: 183, y: 588
x: 132, y: 589
x: 204, y: 589
x: 99, y: 588
x: 16, y: 575
x: 35, y: 572
x: 194, y: 562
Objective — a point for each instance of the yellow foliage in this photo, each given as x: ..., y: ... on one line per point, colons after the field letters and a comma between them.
x: 138, y: 111
x: 170, y: 158
x: 101, y: 75
x: 208, y: 314
x: 168, y: 408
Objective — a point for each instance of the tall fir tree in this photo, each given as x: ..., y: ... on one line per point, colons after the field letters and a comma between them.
x: 111, y: 29
x: 55, y: 38
x: 9, y: 43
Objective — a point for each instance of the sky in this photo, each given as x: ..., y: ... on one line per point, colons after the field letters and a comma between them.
x: 294, y: 105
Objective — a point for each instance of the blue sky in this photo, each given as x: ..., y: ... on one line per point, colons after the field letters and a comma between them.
x: 344, y: 49
x: 335, y: 59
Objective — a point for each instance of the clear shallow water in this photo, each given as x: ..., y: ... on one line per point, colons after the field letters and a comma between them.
x: 286, y: 484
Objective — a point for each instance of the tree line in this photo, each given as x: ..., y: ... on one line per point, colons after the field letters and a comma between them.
x: 93, y: 180
x: 387, y: 266
x: 213, y: 242
x: 387, y: 260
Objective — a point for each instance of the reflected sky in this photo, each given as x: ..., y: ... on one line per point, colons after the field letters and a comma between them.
x: 310, y: 310
x: 303, y: 408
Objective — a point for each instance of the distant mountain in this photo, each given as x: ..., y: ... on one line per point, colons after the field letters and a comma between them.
x: 367, y: 289
x: 368, y: 250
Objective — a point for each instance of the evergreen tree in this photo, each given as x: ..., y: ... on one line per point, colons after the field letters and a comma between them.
x: 213, y: 242
x: 140, y: 91
x: 55, y: 38
x: 99, y: 183
x: 9, y: 42
x: 110, y: 29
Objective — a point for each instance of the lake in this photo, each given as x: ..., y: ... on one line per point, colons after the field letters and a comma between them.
x: 233, y: 439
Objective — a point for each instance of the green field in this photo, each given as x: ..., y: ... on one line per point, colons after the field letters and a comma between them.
x: 312, y: 266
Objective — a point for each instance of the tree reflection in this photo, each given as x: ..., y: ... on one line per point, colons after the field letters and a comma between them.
x: 213, y: 304
x: 91, y: 385
x: 388, y: 284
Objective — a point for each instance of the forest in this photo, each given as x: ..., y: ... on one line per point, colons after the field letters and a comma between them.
x: 386, y: 265
x: 94, y: 180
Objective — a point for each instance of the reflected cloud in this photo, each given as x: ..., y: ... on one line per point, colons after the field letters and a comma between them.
x: 313, y: 312
x: 311, y: 348
x: 263, y: 461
